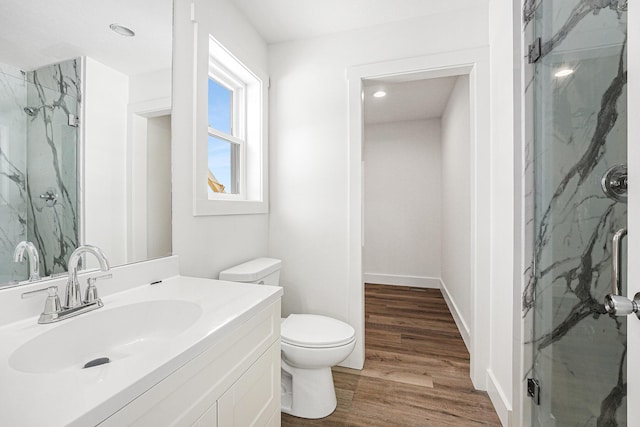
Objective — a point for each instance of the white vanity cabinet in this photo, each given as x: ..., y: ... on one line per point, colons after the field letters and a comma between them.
x: 234, y: 382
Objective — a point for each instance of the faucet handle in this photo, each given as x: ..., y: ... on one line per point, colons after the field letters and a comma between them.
x: 52, y: 304
x: 52, y: 290
x: 91, y: 295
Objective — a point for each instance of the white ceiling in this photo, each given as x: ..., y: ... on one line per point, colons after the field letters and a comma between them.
x: 407, y: 98
x: 34, y: 33
x: 40, y: 32
x: 283, y: 20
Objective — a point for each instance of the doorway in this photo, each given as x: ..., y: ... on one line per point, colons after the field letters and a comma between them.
x: 474, y: 64
x: 417, y: 187
x: 149, y: 177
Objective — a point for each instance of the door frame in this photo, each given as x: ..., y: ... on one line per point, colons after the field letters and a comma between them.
x: 475, y: 63
x: 138, y: 114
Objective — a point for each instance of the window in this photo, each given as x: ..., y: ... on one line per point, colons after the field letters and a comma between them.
x: 226, y: 143
x: 230, y: 157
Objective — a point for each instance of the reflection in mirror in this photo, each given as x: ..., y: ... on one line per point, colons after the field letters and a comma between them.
x: 84, y: 131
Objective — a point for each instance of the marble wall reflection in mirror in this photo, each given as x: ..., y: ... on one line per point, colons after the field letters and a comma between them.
x: 84, y: 131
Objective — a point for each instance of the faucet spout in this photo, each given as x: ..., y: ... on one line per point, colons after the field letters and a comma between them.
x: 73, y: 295
x: 34, y: 258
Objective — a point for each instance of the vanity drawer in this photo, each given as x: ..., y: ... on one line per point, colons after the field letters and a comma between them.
x: 189, y: 396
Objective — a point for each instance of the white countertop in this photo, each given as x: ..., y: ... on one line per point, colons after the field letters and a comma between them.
x: 82, y: 397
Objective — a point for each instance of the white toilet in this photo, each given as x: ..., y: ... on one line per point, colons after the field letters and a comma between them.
x: 311, y: 345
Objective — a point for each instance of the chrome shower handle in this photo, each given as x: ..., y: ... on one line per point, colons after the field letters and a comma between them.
x: 614, y: 303
x: 616, y: 262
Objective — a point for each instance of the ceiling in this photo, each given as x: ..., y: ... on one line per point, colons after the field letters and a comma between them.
x: 406, y: 99
x: 284, y: 20
x: 40, y: 32
x: 34, y: 33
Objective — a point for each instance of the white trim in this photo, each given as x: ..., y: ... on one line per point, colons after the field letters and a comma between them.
x: 465, y: 332
x: 137, y: 115
x: 475, y: 63
x: 499, y: 399
x: 521, y: 403
x: 402, y: 280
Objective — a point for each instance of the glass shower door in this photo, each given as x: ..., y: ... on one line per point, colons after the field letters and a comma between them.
x: 53, y: 100
x: 580, y: 127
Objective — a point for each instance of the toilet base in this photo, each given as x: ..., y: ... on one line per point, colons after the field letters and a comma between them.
x: 307, y: 393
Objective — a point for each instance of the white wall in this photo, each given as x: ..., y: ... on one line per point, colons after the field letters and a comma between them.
x: 402, y: 203
x: 147, y: 86
x: 159, y: 186
x: 505, y: 57
x: 208, y: 244
x: 456, y: 205
x: 309, y: 221
x: 105, y: 136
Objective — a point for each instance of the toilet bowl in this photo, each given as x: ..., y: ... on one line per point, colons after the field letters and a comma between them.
x: 310, y: 346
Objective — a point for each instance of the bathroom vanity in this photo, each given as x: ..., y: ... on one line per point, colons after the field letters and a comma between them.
x: 182, y: 351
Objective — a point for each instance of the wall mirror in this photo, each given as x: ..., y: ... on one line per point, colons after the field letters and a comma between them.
x: 84, y: 131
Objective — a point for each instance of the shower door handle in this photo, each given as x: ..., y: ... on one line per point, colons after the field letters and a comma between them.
x: 616, y: 261
x: 614, y: 303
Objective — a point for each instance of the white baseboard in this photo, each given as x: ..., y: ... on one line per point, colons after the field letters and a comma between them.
x: 498, y: 399
x: 457, y: 317
x: 400, y: 280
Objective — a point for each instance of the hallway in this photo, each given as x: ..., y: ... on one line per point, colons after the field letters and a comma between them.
x: 416, y: 370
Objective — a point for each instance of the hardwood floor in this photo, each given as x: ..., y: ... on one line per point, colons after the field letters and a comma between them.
x: 416, y: 370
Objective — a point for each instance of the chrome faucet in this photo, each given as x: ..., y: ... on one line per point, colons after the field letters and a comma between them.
x: 74, y: 304
x: 34, y: 258
x: 73, y: 296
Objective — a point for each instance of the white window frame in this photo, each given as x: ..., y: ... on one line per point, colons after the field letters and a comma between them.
x: 208, y: 53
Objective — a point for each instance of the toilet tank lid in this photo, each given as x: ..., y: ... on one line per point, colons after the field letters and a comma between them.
x: 251, y: 271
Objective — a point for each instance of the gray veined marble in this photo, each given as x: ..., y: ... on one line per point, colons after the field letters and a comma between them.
x: 13, y: 199
x: 38, y: 153
x: 575, y: 130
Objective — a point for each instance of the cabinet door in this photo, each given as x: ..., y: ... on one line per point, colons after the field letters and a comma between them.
x: 209, y: 418
x: 252, y: 400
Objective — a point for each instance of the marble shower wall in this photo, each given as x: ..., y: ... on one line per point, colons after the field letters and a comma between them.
x: 55, y: 92
x: 575, y: 131
x: 13, y: 165
x: 38, y: 152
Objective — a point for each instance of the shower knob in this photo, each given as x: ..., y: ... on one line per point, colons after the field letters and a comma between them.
x: 50, y: 197
x: 614, y: 183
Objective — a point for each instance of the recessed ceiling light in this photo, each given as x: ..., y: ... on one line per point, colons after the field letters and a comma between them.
x: 563, y: 72
x: 379, y: 94
x: 122, y: 30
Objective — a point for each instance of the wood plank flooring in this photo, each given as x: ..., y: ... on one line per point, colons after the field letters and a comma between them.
x: 416, y: 369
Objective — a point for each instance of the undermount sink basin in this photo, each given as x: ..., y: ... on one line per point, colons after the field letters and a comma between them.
x: 114, y: 333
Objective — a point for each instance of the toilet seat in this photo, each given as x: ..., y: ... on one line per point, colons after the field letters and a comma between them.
x: 315, y: 331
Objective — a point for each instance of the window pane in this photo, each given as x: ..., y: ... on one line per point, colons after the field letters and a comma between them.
x: 220, y: 99
x: 222, y: 166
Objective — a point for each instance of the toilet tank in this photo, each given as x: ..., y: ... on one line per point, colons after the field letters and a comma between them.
x: 264, y: 271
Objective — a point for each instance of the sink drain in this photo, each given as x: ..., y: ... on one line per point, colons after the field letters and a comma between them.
x: 96, y: 362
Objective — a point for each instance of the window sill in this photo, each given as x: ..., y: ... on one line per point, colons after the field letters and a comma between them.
x: 229, y: 207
